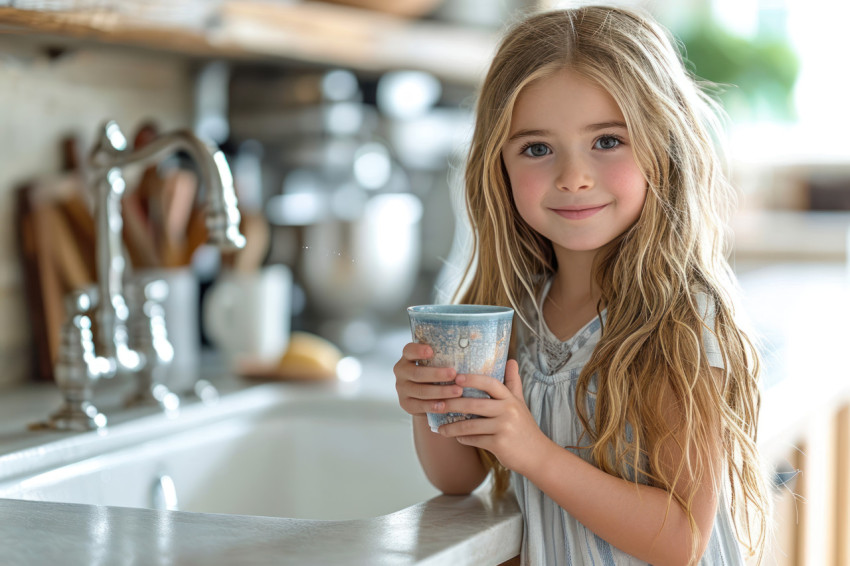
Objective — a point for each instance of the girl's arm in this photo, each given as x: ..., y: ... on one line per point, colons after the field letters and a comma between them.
x: 453, y: 468
x: 636, y: 519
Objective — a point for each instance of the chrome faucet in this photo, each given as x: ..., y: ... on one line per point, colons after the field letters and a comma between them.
x: 114, y: 354
x: 109, y: 156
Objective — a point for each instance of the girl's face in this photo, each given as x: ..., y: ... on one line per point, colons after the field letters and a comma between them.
x: 572, y: 171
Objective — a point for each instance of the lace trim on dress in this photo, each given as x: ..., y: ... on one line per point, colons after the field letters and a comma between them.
x: 554, y: 354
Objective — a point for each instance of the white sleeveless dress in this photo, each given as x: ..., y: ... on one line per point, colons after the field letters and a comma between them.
x: 549, y: 370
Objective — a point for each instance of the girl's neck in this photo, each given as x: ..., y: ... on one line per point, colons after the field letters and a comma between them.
x: 573, y: 296
x: 574, y: 284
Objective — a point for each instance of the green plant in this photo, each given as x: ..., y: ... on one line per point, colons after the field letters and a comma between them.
x: 756, y: 75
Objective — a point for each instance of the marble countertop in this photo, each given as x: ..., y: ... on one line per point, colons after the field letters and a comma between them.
x: 442, y: 530
x: 475, y: 529
x: 800, y: 312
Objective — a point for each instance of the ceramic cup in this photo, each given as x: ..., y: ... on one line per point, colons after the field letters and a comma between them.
x: 181, y: 311
x: 181, y: 320
x: 472, y: 339
x: 247, y: 314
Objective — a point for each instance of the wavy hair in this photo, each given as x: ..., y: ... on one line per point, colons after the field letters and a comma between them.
x: 651, y: 344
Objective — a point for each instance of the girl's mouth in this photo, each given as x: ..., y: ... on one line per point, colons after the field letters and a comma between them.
x: 578, y: 213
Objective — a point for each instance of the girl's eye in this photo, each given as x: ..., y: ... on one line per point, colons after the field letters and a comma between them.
x: 606, y: 142
x: 535, y: 150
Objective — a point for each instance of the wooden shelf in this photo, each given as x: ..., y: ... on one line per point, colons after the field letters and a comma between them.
x: 310, y: 32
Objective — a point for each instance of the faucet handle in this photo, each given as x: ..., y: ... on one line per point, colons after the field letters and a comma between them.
x: 149, y: 336
x: 78, y: 368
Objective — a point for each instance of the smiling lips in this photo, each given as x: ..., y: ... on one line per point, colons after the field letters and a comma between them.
x: 578, y: 212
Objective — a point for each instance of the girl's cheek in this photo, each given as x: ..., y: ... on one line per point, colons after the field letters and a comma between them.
x: 526, y: 181
x: 625, y: 176
x: 523, y: 191
x: 526, y: 189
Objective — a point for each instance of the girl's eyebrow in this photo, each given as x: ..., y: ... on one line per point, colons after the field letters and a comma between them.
x: 529, y: 134
x: 603, y: 126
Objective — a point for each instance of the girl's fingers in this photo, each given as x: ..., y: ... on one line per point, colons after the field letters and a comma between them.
x: 421, y: 388
x: 428, y: 391
x: 512, y: 379
x: 414, y: 352
x: 471, y: 406
x: 416, y: 398
x: 407, y: 370
x: 429, y: 375
x: 492, y: 386
x: 420, y: 407
x: 469, y: 427
x: 482, y: 441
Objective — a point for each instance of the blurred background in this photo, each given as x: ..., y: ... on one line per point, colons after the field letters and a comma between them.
x: 345, y: 125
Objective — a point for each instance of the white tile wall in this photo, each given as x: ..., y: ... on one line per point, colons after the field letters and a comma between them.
x: 41, y: 100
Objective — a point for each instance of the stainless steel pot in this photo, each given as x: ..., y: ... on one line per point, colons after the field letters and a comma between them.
x: 370, y: 264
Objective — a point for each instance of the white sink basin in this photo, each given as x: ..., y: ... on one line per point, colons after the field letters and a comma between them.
x: 264, y: 451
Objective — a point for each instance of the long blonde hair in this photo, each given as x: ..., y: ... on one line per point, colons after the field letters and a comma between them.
x: 651, y: 343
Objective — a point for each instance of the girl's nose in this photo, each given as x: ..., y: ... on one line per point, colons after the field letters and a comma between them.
x: 573, y: 175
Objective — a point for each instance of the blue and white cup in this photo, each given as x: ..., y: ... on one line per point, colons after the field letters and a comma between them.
x: 472, y: 339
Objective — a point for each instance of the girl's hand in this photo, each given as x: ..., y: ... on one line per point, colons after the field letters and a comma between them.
x: 507, y: 429
x: 422, y: 389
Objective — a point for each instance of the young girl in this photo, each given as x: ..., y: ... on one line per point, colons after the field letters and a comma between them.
x: 595, y: 195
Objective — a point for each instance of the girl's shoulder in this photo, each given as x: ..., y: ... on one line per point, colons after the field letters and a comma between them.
x: 706, y: 307
x: 707, y: 310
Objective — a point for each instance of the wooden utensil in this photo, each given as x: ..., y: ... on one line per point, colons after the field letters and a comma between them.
x: 138, y: 234
x: 71, y: 267
x: 42, y: 227
x: 52, y: 292
x: 42, y: 361
x: 142, y: 209
x: 196, y: 233
x: 178, y: 190
x: 257, y: 233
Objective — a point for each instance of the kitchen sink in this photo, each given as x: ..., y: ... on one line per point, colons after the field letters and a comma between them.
x: 269, y: 450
